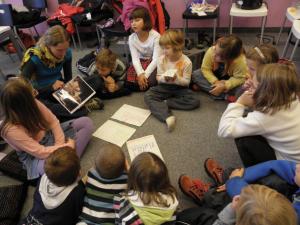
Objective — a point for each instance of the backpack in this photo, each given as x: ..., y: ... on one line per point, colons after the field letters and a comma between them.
x: 86, y: 65
x: 249, y: 4
x: 24, y: 17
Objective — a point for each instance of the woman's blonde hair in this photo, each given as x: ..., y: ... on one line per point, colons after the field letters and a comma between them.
x: 106, y: 58
x: 54, y: 36
x: 263, y: 54
x: 278, y: 86
x: 172, y: 37
x: 260, y: 205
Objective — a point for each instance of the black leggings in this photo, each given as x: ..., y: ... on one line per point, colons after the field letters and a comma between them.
x: 254, y: 150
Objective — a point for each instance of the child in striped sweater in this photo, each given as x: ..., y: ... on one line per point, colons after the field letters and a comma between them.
x: 104, y: 181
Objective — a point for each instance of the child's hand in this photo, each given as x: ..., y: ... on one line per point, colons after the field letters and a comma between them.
x: 237, y: 173
x: 248, y: 84
x: 71, y: 143
x: 111, y: 87
x: 221, y: 188
x: 142, y: 81
x: 218, y: 88
x: 246, y: 98
x: 235, y: 201
x: 84, y: 179
x: 127, y: 165
x: 109, y: 80
x: 170, y: 79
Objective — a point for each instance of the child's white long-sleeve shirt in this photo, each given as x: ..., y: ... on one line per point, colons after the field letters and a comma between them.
x: 148, y: 49
x: 281, y: 130
x: 183, y: 68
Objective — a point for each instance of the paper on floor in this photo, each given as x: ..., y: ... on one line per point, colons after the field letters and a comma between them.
x: 114, y: 132
x: 132, y: 115
x: 144, y: 144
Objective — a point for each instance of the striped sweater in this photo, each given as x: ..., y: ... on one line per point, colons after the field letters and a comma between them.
x: 98, y: 202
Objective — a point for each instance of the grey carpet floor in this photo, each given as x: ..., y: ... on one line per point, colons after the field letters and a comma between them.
x: 184, y: 150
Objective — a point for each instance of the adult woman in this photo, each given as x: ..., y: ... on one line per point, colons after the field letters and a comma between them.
x: 42, y: 65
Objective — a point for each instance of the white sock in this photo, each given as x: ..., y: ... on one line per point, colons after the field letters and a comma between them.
x: 171, y: 121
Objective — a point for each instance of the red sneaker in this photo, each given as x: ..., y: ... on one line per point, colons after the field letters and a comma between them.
x: 231, y: 98
x: 193, y: 188
x: 214, y: 170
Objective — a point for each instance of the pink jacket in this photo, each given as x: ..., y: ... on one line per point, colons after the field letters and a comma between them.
x: 128, y: 7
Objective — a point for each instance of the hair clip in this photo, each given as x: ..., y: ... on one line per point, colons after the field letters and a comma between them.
x: 284, y: 61
x: 259, y: 53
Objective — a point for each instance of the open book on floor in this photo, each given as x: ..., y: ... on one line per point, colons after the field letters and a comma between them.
x: 74, y: 94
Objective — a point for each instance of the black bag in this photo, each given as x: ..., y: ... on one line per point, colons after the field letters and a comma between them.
x: 197, y: 216
x: 12, y: 200
x: 249, y: 4
x: 11, y: 166
x: 25, y: 17
x: 86, y: 65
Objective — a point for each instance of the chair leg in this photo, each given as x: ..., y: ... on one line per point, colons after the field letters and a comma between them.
x: 286, y: 45
x: 2, y: 75
x: 17, y: 43
x: 98, y: 37
x: 215, y: 30
x: 281, y: 28
x: 230, y: 25
x: 262, y: 29
x: 78, y: 36
x: 293, y: 52
x: 17, y: 37
x: 126, y: 50
x: 36, y: 31
x: 186, y: 25
x: 74, y: 42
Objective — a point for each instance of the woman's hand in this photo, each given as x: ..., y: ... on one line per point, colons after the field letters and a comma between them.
x: 142, y: 81
x: 57, y: 85
x: 218, y: 88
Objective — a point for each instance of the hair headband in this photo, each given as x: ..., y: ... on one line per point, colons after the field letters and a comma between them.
x: 259, y: 53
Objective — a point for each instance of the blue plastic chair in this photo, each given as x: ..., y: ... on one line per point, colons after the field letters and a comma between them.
x: 7, y: 20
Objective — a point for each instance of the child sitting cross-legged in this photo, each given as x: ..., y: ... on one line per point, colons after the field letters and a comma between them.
x: 107, y: 179
x: 58, y: 197
x: 251, y: 204
x: 272, y: 130
x: 108, y: 80
x: 174, y: 71
x: 223, y: 69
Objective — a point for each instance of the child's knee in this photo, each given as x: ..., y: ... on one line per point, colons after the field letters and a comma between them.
x: 84, y: 123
